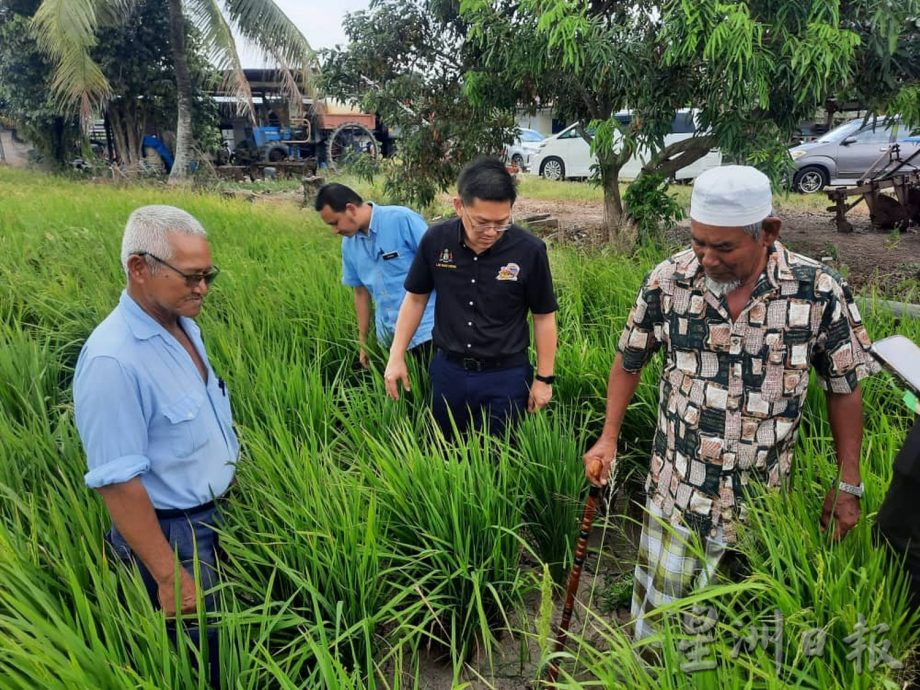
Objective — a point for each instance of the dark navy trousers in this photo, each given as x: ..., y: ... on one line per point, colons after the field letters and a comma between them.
x: 497, y: 395
x: 186, y: 534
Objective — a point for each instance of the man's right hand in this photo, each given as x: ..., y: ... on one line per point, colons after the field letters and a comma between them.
x: 599, y: 460
x: 396, y: 373
x: 362, y: 359
x: 188, y: 599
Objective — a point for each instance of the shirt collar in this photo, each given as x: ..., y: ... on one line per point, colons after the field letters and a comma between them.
x: 372, y: 225
x: 143, y: 326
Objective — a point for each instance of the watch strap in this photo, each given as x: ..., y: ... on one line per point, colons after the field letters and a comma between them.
x: 549, y: 380
x: 854, y: 489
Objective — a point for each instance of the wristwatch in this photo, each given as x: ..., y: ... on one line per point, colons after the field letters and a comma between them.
x: 855, y: 489
x: 545, y: 379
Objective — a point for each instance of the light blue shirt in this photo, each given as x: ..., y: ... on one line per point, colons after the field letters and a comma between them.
x: 380, y: 261
x: 143, y: 410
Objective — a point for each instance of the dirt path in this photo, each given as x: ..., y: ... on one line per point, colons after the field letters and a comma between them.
x: 869, y: 258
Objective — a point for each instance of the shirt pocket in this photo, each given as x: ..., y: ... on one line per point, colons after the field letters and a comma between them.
x: 786, y: 370
x: 185, y: 431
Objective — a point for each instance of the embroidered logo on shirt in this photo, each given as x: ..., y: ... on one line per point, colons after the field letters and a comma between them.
x: 508, y: 272
x: 445, y: 260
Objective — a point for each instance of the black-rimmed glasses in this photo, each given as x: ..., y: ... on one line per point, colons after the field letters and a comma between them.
x: 484, y: 227
x: 192, y: 280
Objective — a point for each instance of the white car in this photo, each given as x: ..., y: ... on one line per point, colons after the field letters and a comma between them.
x: 527, y: 144
x: 567, y: 155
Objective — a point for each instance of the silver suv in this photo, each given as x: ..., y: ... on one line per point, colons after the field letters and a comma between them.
x: 846, y: 153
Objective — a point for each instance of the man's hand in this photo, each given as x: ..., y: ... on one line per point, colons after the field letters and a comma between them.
x: 843, y: 508
x: 395, y: 373
x: 540, y: 394
x: 599, y: 460
x: 362, y: 359
x: 166, y: 593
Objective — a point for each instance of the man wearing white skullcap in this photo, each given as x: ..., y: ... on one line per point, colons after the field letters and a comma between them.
x: 740, y: 320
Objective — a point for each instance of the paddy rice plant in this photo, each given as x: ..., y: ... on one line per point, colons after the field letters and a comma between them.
x: 355, y: 536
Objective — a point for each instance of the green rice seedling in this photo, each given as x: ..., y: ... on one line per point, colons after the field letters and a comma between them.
x: 452, y: 512
x: 553, y: 486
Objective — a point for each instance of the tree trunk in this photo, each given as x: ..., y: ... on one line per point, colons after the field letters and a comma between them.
x: 679, y: 155
x: 620, y: 233
x: 182, y: 155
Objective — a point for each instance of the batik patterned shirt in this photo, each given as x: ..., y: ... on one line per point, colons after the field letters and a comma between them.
x: 731, y: 393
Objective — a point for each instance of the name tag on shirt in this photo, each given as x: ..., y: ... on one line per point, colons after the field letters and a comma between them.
x: 389, y: 255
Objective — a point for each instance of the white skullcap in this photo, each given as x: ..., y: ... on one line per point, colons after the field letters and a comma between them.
x: 731, y: 196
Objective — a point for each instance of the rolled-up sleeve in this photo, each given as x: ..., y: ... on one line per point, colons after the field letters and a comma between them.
x: 640, y: 338
x: 841, y: 356
x: 111, y: 422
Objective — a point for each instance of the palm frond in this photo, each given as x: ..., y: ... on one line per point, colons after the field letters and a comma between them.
x: 269, y: 28
x: 66, y: 31
x: 221, y: 51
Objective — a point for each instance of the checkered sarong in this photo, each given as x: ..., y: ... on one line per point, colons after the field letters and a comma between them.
x: 670, y: 565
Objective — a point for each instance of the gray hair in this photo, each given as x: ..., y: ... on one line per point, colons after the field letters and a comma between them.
x: 754, y: 229
x: 148, y: 231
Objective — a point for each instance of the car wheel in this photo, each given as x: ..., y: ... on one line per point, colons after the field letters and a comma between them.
x: 810, y: 179
x: 553, y: 169
x: 518, y: 160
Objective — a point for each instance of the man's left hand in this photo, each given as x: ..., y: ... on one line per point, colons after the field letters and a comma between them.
x: 540, y: 394
x: 843, y: 508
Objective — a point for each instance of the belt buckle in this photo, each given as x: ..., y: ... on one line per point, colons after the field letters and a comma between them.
x: 472, y: 364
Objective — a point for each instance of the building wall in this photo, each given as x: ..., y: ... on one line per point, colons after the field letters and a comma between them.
x: 542, y: 121
x: 14, y: 153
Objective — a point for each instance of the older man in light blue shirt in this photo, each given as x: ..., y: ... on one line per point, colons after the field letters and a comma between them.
x: 378, y: 245
x: 153, y: 415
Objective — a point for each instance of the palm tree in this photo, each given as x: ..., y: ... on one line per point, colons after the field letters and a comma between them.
x: 68, y: 29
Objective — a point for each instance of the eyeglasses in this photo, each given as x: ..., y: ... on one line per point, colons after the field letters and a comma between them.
x: 483, y: 227
x: 192, y: 280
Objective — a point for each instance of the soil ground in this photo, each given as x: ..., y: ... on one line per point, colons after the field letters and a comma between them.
x: 871, y: 259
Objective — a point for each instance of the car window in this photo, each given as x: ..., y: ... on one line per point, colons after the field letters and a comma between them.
x: 683, y: 123
x: 531, y: 136
x: 841, y: 132
x: 874, y: 134
x: 623, y: 119
x: 573, y: 133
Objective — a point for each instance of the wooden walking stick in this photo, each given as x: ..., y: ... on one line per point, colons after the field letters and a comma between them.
x: 581, y: 550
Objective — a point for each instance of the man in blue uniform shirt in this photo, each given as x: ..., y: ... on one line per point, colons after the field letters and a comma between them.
x: 378, y: 245
x: 489, y: 274
x: 153, y: 416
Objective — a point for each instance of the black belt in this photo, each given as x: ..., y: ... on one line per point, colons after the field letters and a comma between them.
x: 168, y: 513
x: 486, y: 363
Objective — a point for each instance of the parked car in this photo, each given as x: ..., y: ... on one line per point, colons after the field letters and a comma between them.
x: 567, y: 155
x: 846, y: 153
x: 520, y: 151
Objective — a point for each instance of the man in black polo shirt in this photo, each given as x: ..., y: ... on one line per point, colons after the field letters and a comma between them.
x: 488, y: 274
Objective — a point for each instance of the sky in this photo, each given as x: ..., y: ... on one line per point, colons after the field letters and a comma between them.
x: 319, y: 20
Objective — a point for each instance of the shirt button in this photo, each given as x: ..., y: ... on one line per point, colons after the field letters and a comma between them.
x: 469, y: 323
x: 473, y: 280
x: 471, y: 304
x: 468, y: 345
x: 475, y: 258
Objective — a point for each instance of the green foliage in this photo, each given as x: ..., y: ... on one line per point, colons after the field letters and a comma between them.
x: 409, y: 63
x: 651, y: 208
x: 25, y: 90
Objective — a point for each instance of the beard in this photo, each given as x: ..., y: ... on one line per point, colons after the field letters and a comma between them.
x: 720, y: 289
